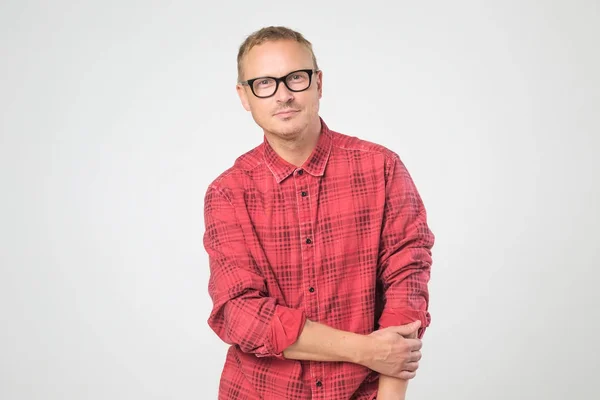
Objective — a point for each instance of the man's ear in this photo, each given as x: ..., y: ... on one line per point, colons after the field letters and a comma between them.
x: 243, y: 95
x: 320, y: 83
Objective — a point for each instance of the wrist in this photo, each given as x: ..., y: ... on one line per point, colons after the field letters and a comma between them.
x: 391, y: 388
x: 362, y: 350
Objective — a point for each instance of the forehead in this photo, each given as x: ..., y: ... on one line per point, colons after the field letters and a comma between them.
x: 276, y: 58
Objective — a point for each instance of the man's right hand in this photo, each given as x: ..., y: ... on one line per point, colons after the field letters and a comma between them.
x: 395, y: 351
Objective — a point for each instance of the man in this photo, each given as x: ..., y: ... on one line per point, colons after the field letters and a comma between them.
x: 318, y: 246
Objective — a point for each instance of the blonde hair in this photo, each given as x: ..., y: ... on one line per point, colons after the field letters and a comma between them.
x: 268, y: 34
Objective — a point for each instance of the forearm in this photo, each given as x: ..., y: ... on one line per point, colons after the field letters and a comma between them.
x: 318, y: 342
x: 391, y: 388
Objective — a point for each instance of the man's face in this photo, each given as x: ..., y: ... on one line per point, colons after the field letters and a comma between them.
x: 286, y: 114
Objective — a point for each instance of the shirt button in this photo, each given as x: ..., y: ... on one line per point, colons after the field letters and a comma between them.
x: 300, y: 172
x: 311, y: 289
x: 319, y: 384
x: 308, y: 241
x: 304, y: 194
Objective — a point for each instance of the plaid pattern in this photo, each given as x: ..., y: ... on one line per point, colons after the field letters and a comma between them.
x: 343, y: 240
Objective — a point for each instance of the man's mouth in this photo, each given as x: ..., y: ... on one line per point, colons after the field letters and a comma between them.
x: 286, y: 113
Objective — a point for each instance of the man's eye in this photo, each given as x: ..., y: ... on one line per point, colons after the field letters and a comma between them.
x: 264, y: 82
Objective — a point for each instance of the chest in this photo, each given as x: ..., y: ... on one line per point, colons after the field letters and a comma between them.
x: 335, y: 216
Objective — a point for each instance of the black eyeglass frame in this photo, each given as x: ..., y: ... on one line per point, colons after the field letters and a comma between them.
x: 250, y: 82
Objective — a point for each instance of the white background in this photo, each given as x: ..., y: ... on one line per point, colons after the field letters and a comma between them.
x: 116, y: 115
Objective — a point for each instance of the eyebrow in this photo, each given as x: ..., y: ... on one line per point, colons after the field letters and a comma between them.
x: 281, y: 76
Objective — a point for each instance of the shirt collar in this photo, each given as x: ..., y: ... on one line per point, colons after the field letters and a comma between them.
x: 314, y: 165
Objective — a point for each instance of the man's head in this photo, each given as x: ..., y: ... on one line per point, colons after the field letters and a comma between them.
x: 282, y: 110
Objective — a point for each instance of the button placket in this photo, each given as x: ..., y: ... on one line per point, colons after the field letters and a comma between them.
x: 306, y: 210
x: 305, y: 220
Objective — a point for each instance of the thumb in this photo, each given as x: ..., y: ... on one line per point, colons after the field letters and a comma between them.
x: 407, y: 329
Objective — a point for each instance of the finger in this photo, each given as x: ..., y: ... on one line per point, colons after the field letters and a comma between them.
x: 406, y: 329
x: 415, y: 344
x: 406, y: 375
x: 411, y: 366
x: 415, y: 356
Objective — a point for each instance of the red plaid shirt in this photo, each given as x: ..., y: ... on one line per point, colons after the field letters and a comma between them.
x: 342, y: 240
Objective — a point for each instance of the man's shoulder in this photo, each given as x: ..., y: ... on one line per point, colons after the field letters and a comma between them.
x: 351, y: 143
x: 242, y: 166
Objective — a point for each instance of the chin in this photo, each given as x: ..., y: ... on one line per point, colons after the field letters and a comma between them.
x: 288, y: 128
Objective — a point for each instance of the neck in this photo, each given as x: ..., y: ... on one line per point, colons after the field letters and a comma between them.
x: 297, y: 149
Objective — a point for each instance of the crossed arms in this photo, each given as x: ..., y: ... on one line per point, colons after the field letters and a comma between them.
x: 245, y: 315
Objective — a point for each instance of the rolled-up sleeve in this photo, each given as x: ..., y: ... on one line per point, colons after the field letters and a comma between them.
x: 405, y: 251
x: 243, y: 314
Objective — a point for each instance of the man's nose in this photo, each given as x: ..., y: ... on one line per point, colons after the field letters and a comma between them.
x: 283, y: 94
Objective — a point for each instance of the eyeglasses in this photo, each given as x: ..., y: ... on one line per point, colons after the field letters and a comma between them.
x: 266, y: 86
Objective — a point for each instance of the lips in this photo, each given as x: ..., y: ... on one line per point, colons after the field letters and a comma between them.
x: 285, y: 113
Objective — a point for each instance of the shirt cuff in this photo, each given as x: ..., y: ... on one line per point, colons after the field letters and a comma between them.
x: 286, y: 326
x: 395, y: 317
